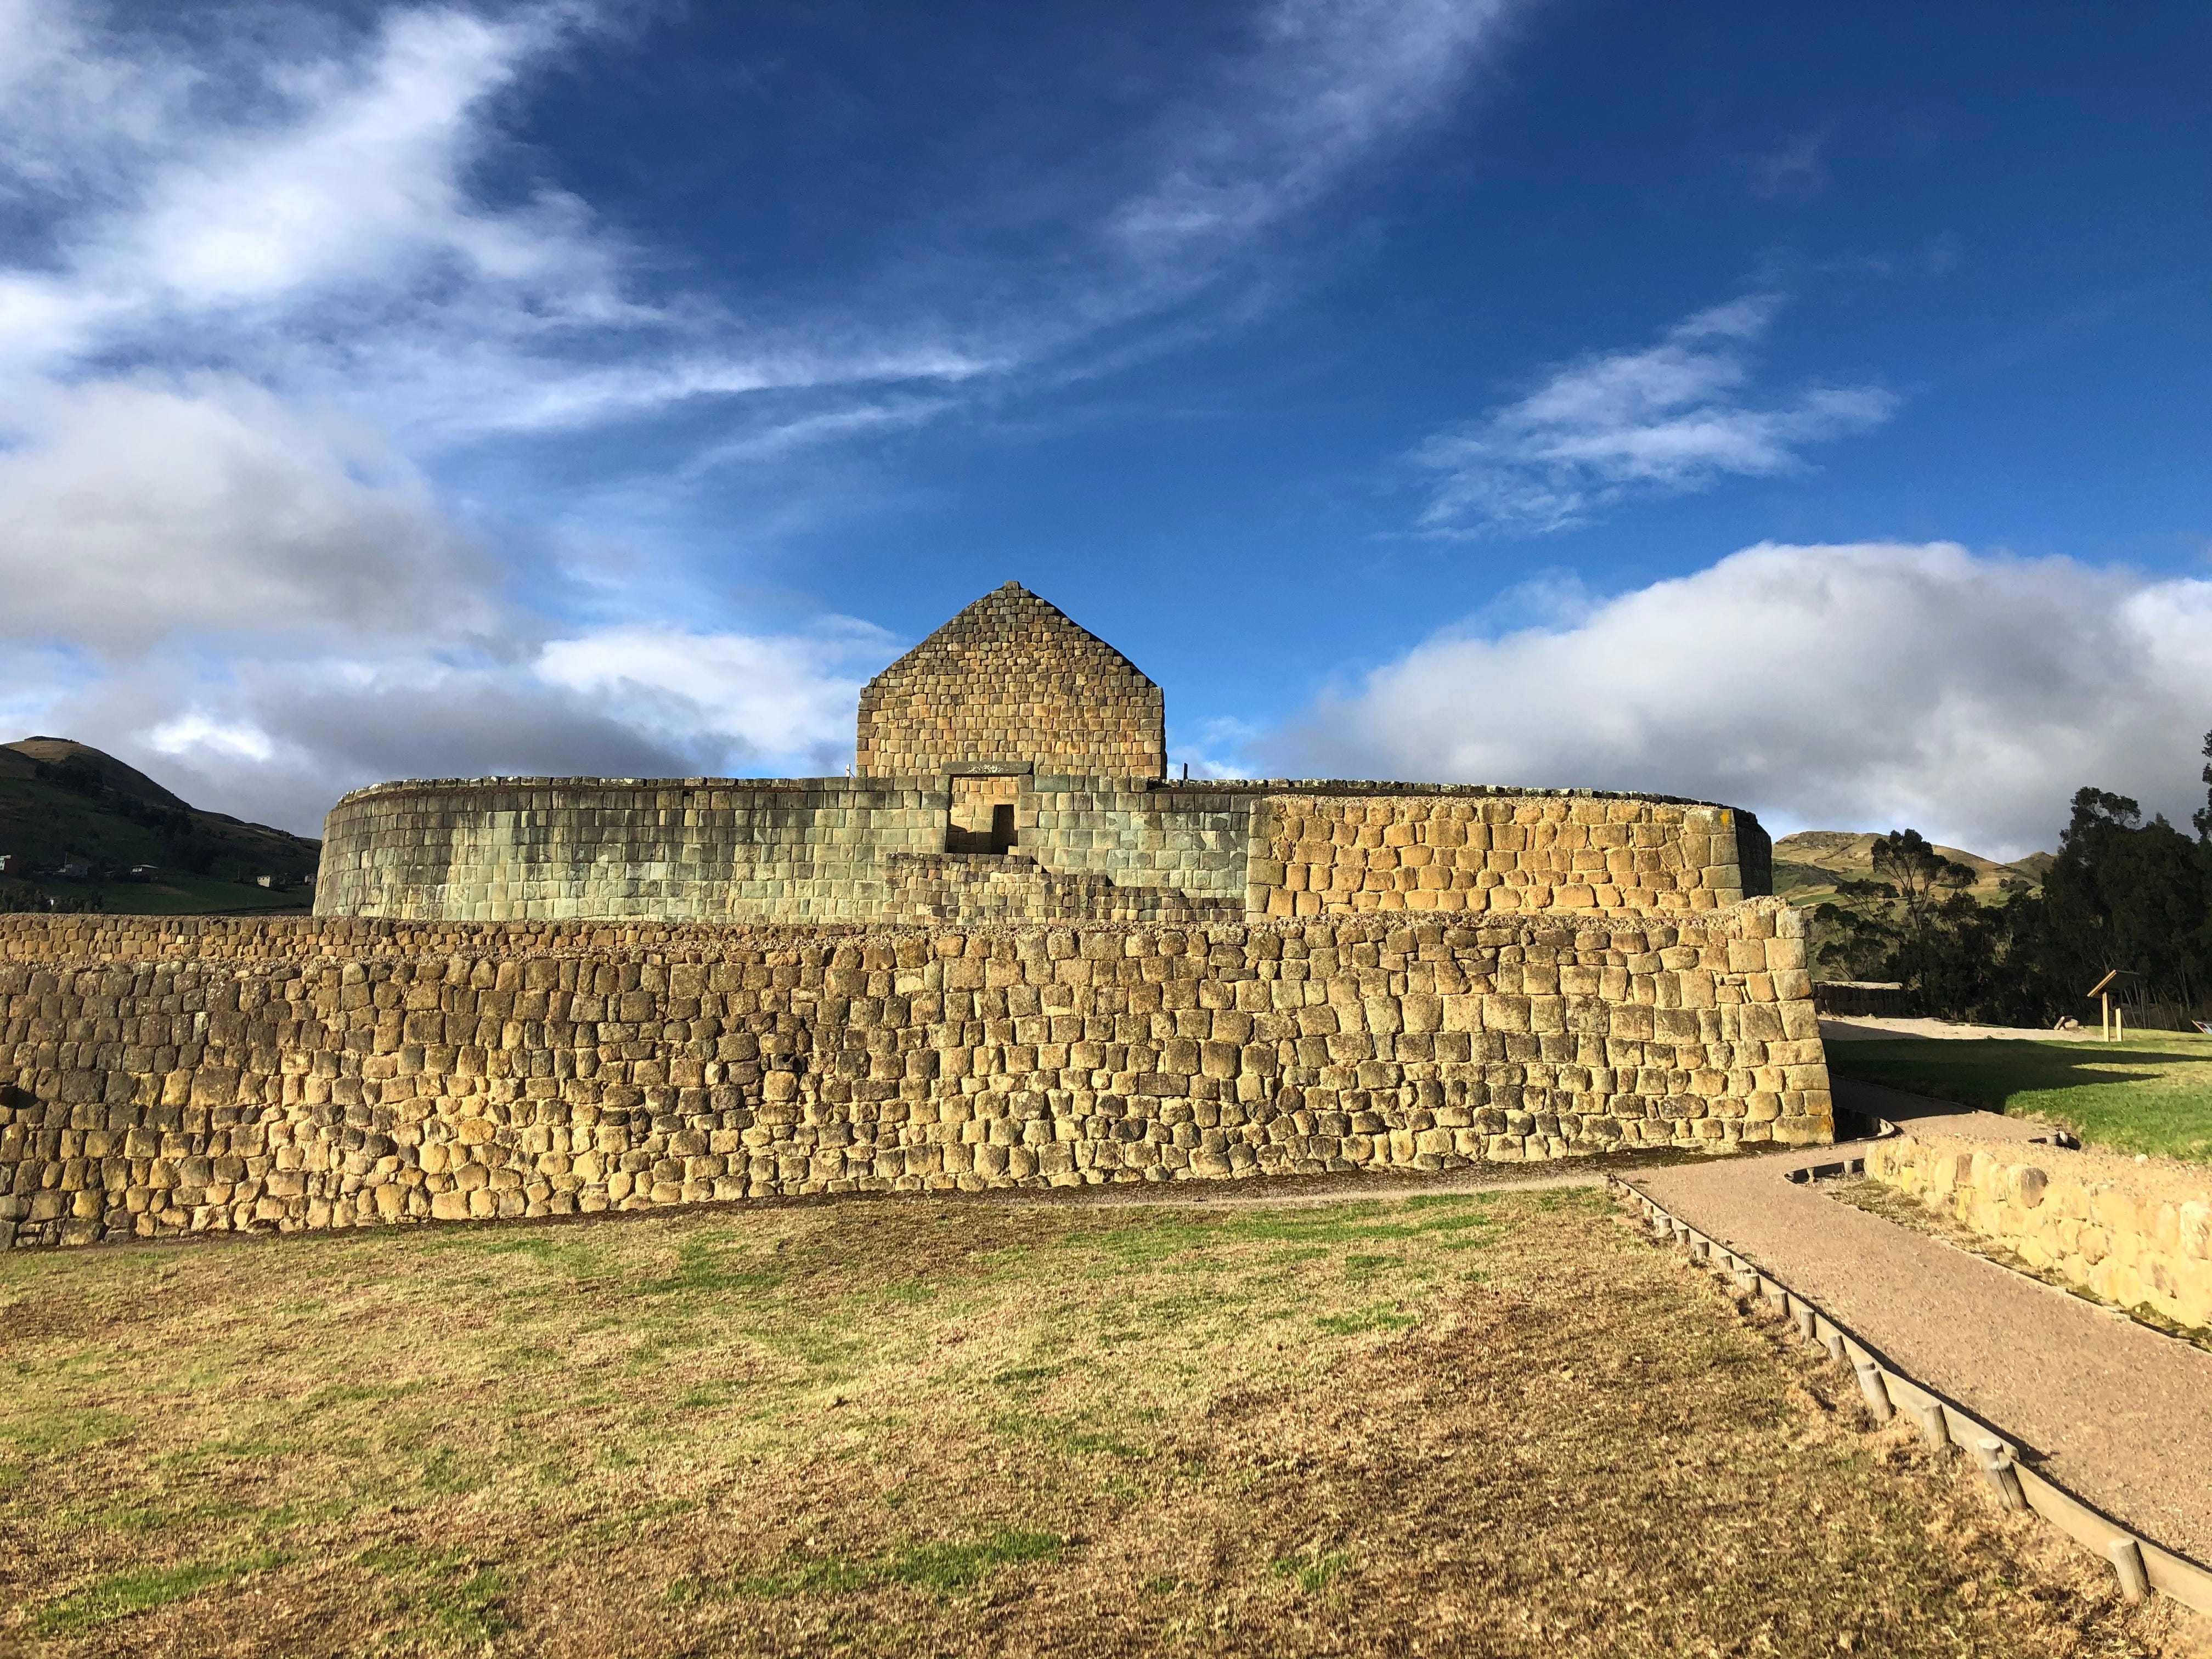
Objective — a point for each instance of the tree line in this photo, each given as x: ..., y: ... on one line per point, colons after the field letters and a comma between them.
x: 2123, y: 894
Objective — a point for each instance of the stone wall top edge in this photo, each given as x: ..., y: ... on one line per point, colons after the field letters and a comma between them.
x: 2171, y: 1178
x: 372, y: 937
x: 1358, y: 786
x: 1100, y: 783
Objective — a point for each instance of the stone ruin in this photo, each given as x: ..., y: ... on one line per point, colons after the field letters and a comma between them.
x: 1012, y: 767
x: 1008, y: 950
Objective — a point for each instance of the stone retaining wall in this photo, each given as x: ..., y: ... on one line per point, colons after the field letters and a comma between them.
x: 2135, y: 1234
x: 826, y: 849
x: 158, y: 1076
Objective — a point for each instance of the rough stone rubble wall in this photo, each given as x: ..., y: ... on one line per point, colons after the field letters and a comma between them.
x: 1011, y: 679
x: 2134, y: 1234
x: 1313, y: 855
x: 832, y: 849
x: 537, y: 1070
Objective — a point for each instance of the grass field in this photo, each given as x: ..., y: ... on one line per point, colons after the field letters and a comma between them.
x: 2152, y: 1093
x: 172, y: 893
x: 1496, y: 1423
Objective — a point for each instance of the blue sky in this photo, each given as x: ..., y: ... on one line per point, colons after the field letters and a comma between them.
x: 1800, y: 407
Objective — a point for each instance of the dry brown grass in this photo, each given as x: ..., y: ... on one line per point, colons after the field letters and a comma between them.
x: 1478, y: 1424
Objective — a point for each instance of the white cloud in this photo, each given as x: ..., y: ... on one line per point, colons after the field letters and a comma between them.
x: 265, y: 608
x: 772, y: 439
x: 279, y: 734
x: 320, y: 178
x: 308, y: 213
x: 286, y: 194
x: 1662, y: 419
x: 135, y: 510
x: 1205, y: 752
x: 189, y: 734
x: 1862, y: 686
x: 232, y: 561
x: 758, y: 695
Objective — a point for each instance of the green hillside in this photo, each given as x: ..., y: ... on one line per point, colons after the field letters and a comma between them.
x: 1809, y: 864
x: 64, y: 804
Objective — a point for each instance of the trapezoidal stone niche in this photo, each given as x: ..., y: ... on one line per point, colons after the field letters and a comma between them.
x: 1011, y: 682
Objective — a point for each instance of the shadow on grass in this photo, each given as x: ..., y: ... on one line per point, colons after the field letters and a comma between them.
x: 2154, y: 1099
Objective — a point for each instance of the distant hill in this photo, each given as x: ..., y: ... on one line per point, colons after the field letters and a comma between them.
x: 1809, y: 864
x: 65, y: 803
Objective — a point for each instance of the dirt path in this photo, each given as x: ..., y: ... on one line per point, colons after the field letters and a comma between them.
x: 2111, y: 1410
x: 1319, y: 1190
x: 1867, y: 1028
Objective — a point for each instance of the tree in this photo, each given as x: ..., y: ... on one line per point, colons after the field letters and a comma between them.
x: 1912, y: 922
x: 2202, y: 818
x: 2123, y: 894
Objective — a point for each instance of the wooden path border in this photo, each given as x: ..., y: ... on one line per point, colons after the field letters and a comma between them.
x: 2140, y: 1564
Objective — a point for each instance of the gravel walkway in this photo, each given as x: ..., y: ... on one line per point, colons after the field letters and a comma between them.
x: 2113, y: 1411
x: 1869, y: 1029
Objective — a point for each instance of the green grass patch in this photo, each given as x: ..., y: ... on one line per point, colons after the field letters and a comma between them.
x: 1380, y: 1316
x: 714, y: 1266
x: 1310, y: 1569
x: 54, y: 1433
x: 2149, y: 1094
x: 120, y: 1594
x: 443, y: 1599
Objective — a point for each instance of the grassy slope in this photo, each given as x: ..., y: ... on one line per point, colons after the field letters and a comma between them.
x: 47, y: 824
x: 176, y: 894
x: 1809, y: 864
x: 1498, y: 1424
x: 2150, y: 1094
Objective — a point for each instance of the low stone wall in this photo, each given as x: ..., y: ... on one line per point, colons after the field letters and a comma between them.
x: 163, y: 1077
x: 2135, y: 1234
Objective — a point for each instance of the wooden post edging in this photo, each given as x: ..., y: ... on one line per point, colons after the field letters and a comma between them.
x: 2140, y: 1563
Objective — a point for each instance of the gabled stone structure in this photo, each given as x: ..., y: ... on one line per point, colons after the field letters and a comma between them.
x: 1011, y: 685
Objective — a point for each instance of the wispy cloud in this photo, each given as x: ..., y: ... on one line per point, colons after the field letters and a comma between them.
x: 235, y: 192
x: 310, y: 215
x: 301, y: 199
x: 1795, y: 169
x: 1330, y: 82
x: 1661, y: 419
x: 270, y: 293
